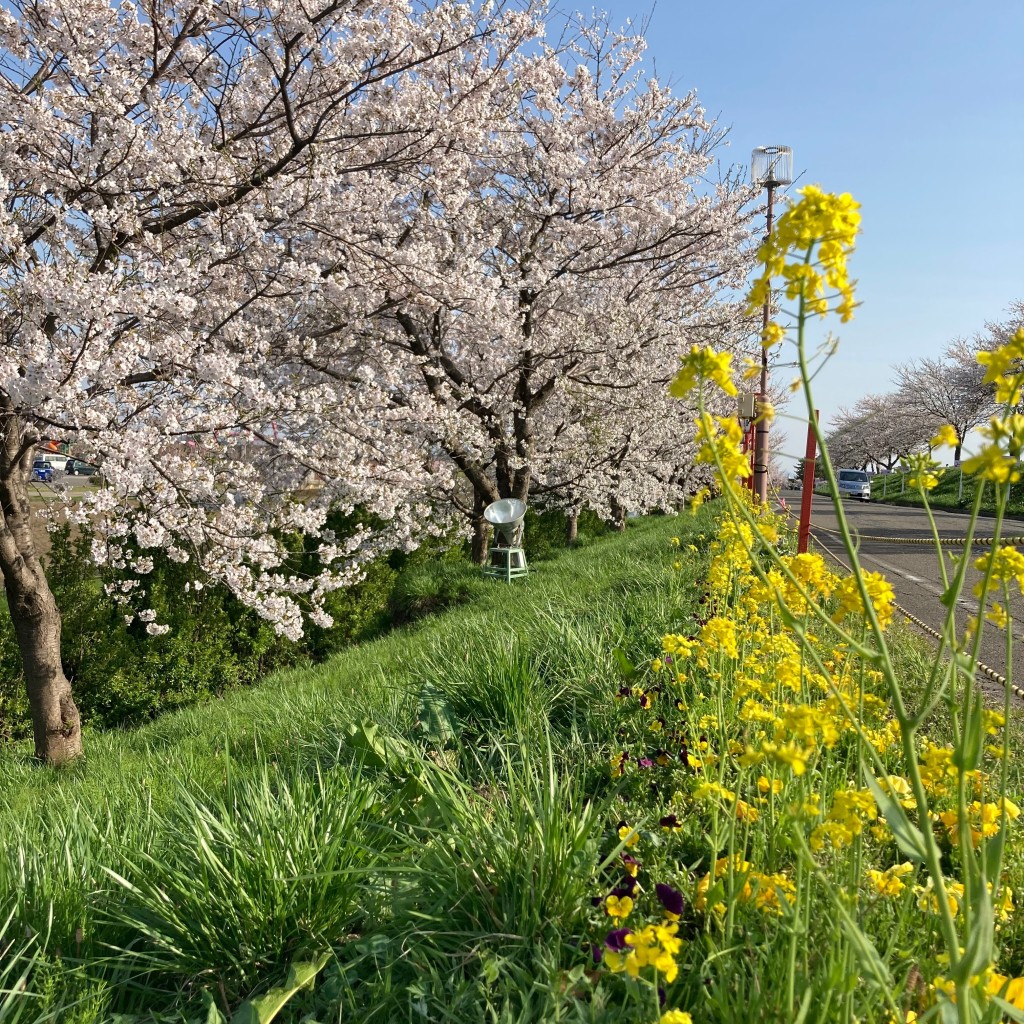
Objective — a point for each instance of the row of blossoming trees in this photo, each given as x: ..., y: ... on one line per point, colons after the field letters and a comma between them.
x: 880, y: 430
x: 262, y: 261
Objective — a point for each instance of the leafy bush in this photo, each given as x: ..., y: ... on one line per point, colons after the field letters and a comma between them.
x: 123, y: 676
x: 431, y: 587
x: 544, y: 536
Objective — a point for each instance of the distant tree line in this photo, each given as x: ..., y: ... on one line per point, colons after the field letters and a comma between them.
x: 882, y: 429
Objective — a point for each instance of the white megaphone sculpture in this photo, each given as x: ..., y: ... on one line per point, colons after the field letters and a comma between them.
x: 507, y: 556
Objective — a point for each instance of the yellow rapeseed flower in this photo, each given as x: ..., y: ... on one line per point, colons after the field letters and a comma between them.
x: 703, y: 364
x: 1004, y: 367
x: 879, y: 591
x: 789, y: 754
x: 820, y: 219
x: 946, y: 435
x: 720, y: 438
x: 773, y: 334
x: 889, y: 882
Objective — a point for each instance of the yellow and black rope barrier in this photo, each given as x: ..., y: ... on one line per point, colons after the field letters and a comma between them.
x: 985, y: 670
x: 946, y: 542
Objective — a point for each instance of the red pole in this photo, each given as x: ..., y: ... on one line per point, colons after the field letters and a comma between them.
x: 810, y: 454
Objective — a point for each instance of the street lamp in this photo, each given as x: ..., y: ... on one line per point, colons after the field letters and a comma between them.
x: 770, y: 167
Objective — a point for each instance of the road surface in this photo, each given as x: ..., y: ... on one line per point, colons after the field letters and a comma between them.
x: 913, y: 568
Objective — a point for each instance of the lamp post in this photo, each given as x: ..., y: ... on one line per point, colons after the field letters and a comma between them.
x: 770, y: 167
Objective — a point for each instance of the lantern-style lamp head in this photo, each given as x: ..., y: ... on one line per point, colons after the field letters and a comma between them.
x: 771, y: 166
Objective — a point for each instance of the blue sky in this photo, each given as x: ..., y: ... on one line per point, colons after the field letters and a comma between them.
x: 917, y: 109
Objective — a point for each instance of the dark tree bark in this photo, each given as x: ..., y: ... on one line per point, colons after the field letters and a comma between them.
x: 571, y: 527
x: 480, y: 527
x: 56, y: 724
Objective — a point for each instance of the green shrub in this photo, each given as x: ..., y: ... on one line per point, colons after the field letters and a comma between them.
x: 119, y: 673
x: 123, y: 676
x: 431, y: 587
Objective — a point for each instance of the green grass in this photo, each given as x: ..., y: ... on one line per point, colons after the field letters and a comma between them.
x: 427, y: 807
x: 947, y: 495
x: 433, y: 812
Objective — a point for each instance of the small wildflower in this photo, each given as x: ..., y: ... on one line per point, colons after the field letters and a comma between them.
x: 618, y: 907
x: 628, y: 835
x: 671, y: 901
x: 675, y: 1017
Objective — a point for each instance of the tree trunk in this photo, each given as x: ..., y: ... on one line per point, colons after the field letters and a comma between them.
x: 571, y: 526
x: 618, y: 515
x: 480, y: 528
x: 33, y: 608
x: 55, y: 720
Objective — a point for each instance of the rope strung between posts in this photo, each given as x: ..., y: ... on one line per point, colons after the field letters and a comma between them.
x: 946, y: 542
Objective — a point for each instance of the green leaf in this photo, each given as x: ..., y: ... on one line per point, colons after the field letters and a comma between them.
x: 967, y: 755
x: 1009, y: 1010
x: 435, y: 719
x: 626, y: 668
x: 872, y: 966
x: 213, y: 1014
x: 978, y: 953
x: 265, y: 1008
x: 377, y: 749
x: 907, y: 835
x: 362, y: 737
x: 491, y: 969
x: 789, y: 620
x: 992, y: 853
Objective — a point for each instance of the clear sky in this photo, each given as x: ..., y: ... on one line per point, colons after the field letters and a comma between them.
x: 917, y: 109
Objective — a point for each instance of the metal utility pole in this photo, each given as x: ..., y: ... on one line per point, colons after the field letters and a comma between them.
x: 770, y: 166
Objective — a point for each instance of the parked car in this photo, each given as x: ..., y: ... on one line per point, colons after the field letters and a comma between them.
x: 42, y: 472
x: 854, y: 483
x: 76, y: 467
x: 57, y: 460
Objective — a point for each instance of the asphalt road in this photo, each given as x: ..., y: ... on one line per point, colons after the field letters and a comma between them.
x: 913, y: 569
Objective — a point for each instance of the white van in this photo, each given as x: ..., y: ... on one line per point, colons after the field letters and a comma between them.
x: 854, y: 483
x: 55, y: 459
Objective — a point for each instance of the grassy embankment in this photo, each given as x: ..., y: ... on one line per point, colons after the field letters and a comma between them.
x: 948, y: 495
x: 243, y: 833
x: 432, y: 817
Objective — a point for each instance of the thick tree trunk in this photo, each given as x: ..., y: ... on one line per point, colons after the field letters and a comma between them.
x: 55, y: 721
x: 618, y: 515
x: 480, y: 529
x: 571, y: 527
x: 32, y: 606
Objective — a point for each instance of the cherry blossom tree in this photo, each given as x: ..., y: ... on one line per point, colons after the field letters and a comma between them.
x: 878, y: 432
x: 555, y: 269
x: 630, y: 446
x: 170, y: 170
x: 949, y: 389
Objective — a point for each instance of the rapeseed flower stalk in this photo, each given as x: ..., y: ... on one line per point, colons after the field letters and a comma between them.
x: 702, y: 364
x: 786, y: 700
